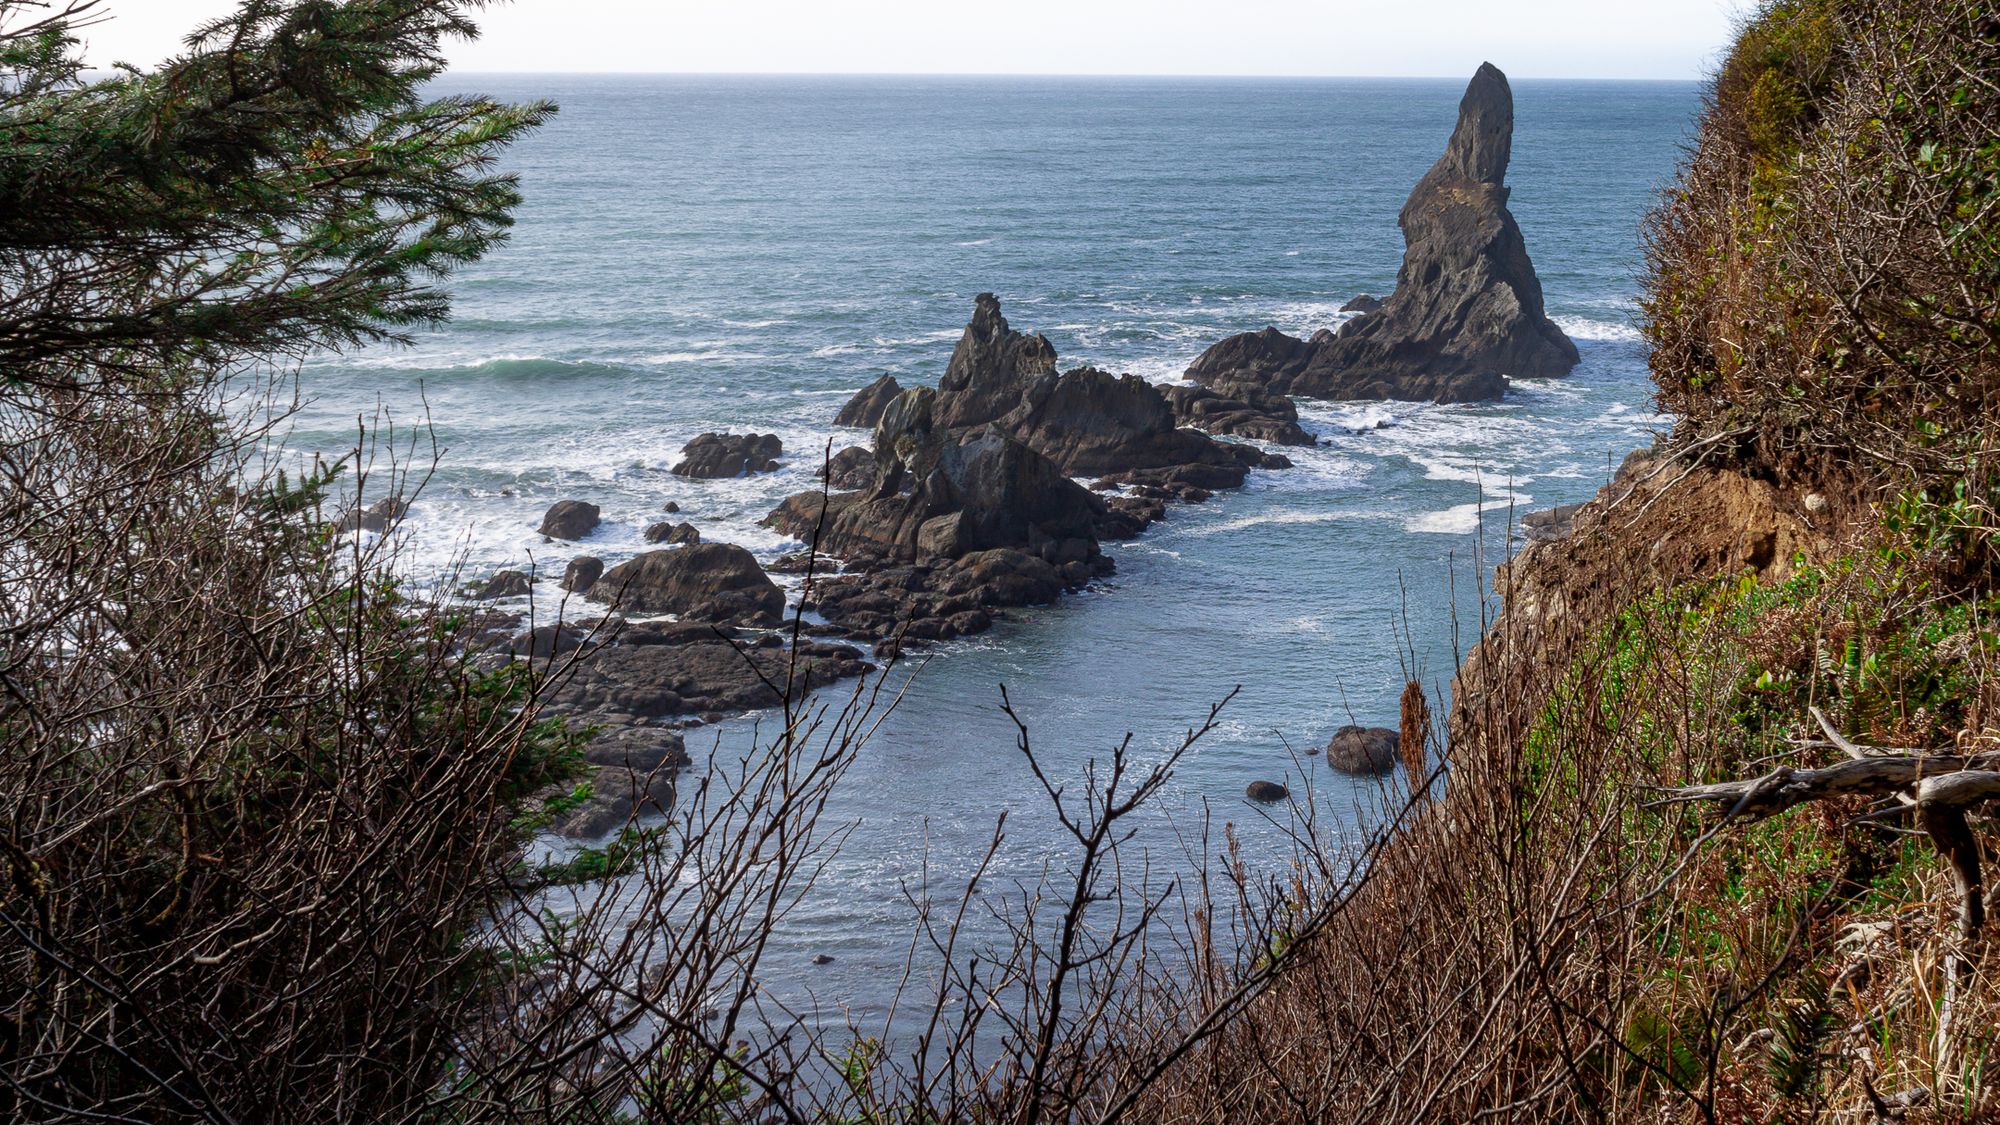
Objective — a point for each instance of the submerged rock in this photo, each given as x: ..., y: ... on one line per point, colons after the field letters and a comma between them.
x: 1467, y: 310
x: 866, y: 407
x: 1266, y: 791
x: 569, y: 519
x: 718, y: 456
x: 707, y: 581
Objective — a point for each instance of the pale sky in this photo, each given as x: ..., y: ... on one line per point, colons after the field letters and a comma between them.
x: 1434, y: 38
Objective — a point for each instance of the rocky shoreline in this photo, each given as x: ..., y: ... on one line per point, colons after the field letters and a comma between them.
x: 965, y: 502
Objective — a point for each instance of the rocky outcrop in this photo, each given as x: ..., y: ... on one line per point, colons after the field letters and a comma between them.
x: 1244, y: 411
x: 1362, y: 303
x: 581, y: 573
x: 940, y: 494
x: 1364, y: 749
x: 851, y: 468
x: 718, y: 582
x: 1266, y: 792
x: 866, y: 407
x: 719, y: 456
x: 569, y: 519
x: 1086, y: 421
x: 504, y: 584
x: 695, y: 670
x: 1467, y: 310
x: 377, y: 517
x: 669, y: 532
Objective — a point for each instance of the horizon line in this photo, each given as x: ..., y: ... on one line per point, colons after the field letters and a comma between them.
x: 449, y: 71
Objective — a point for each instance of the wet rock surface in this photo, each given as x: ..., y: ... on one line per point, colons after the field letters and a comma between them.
x: 1366, y: 750
x: 1467, y: 311
x: 377, y: 517
x: 1084, y: 420
x: 866, y: 407
x: 851, y: 468
x: 720, y: 456
x: 582, y: 572
x: 505, y: 584
x: 569, y: 519
x: 669, y: 532
x: 1245, y: 411
x: 673, y: 671
x: 718, y: 582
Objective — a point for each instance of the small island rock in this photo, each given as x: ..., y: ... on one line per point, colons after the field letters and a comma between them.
x: 569, y: 519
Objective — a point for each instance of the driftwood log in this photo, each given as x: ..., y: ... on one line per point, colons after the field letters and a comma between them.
x: 1939, y: 786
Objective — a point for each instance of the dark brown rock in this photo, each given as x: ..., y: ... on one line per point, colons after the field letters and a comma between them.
x: 505, y: 584
x: 966, y: 491
x: 1267, y: 791
x: 866, y: 407
x: 1467, y: 310
x: 1086, y: 421
x: 717, y: 456
x: 1362, y: 303
x: 379, y: 516
x: 708, y: 581
x: 698, y: 676
x: 569, y: 519
x: 1245, y: 412
x: 581, y: 572
x: 1364, y: 749
x: 677, y: 533
x: 850, y: 469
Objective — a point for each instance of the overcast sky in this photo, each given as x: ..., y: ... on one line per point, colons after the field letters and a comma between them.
x: 1441, y: 38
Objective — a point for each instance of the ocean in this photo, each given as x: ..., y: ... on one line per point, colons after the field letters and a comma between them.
x: 742, y: 253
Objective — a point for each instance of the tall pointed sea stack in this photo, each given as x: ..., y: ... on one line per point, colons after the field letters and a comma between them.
x: 1467, y: 310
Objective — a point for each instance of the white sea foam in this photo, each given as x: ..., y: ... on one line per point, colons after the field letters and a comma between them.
x: 1584, y: 328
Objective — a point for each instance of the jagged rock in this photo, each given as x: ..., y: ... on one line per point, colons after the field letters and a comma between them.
x: 1364, y: 749
x: 1362, y: 303
x: 866, y: 407
x: 967, y: 491
x: 1085, y: 420
x: 1244, y: 412
x: 1467, y: 310
x: 379, y: 516
x: 569, y: 519
x: 581, y: 572
x: 505, y: 584
x: 1267, y: 791
x: 706, y: 581
x: 716, y: 456
x: 665, y: 532
x: 851, y: 468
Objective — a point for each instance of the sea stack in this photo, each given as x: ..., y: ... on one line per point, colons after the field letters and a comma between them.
x: 1467, y: 311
